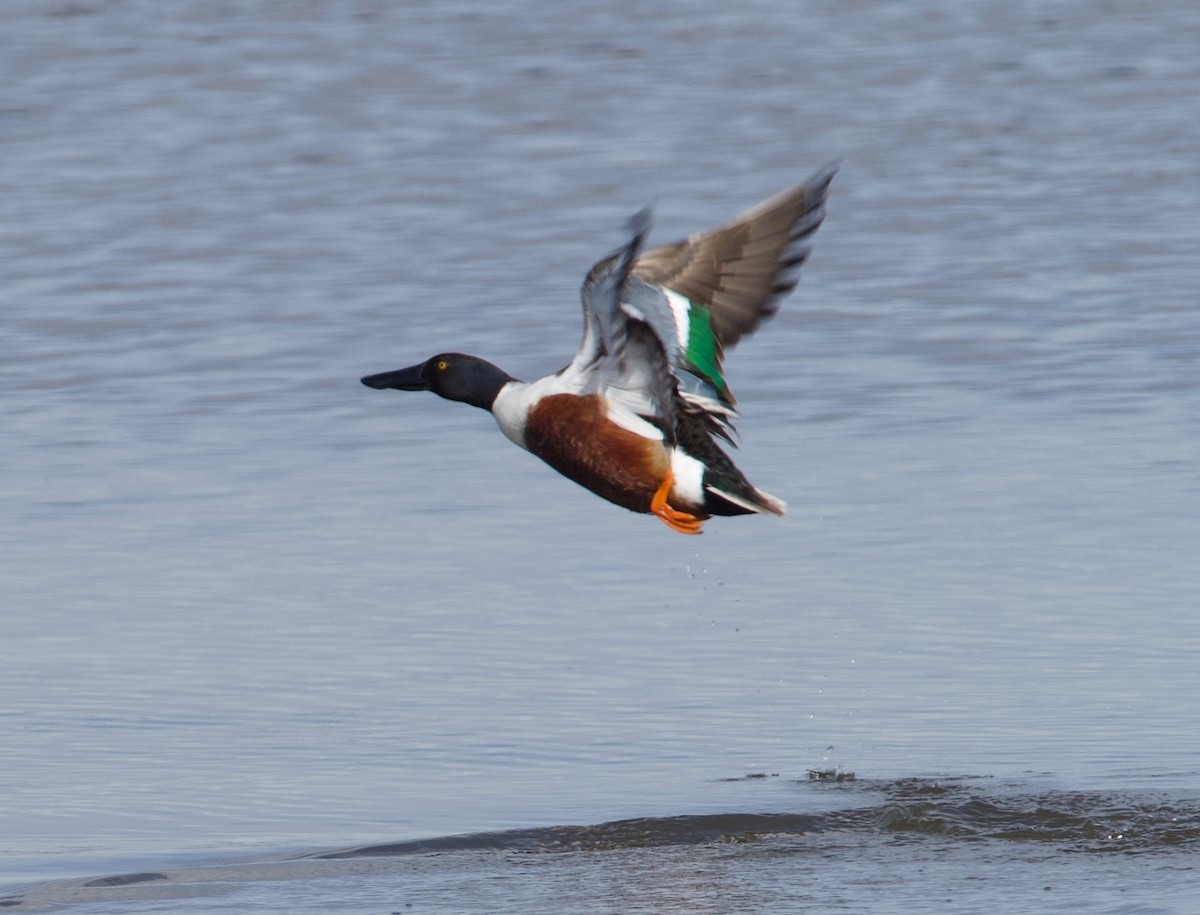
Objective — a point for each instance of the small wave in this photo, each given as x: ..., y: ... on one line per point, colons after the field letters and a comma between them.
x: 960, y: 808
x: 1078, y: 821
x: 960, y: 812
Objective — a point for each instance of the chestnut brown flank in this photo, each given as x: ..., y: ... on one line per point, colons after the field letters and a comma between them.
x: 574, y: 436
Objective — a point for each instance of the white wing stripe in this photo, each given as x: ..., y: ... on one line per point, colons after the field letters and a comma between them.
x: 680, y: 309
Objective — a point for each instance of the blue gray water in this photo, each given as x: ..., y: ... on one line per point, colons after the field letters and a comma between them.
x: 254, y: 614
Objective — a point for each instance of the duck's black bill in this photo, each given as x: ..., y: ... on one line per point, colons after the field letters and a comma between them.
x: 408, y: 379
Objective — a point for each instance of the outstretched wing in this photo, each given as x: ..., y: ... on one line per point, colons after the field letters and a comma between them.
x: 721, y: 284
x: 656, y: 324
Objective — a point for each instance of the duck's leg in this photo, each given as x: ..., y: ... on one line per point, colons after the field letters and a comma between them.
x: 676, y: 520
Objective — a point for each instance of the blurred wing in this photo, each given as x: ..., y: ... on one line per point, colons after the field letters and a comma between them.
x: 720, y: 285
x: 623, y: 355
x: 656, y: 324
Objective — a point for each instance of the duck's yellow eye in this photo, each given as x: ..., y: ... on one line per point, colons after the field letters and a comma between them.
x: 441, y: 365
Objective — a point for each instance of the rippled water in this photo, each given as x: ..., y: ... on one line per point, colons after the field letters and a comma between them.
x: 251, y: 610
x: 913, y: 845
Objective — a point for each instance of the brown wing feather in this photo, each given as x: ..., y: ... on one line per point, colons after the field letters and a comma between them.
x: 743, y: 270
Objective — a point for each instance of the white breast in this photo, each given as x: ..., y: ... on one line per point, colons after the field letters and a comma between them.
x: 511, y: 406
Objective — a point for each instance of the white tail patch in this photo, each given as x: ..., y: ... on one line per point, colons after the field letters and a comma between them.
x: 689, y: 476
x: 767, y: 504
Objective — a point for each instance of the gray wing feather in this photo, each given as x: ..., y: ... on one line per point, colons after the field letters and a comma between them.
x: 624, y: 350
x: 739, y: 272
x: 743, y: 270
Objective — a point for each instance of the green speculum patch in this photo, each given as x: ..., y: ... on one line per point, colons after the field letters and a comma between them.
x: 702, y: 346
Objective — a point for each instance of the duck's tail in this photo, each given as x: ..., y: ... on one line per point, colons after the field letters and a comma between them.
x: 751, y: 500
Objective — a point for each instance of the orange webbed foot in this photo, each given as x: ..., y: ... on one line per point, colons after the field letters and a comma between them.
x: 676, y: 520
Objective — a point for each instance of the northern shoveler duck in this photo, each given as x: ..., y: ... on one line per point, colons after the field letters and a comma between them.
x: 636, y: 416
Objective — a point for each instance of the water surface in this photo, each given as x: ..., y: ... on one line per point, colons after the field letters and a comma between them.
x: 252, y: 610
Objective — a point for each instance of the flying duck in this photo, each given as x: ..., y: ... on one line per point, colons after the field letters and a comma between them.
x: 637, y: 414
